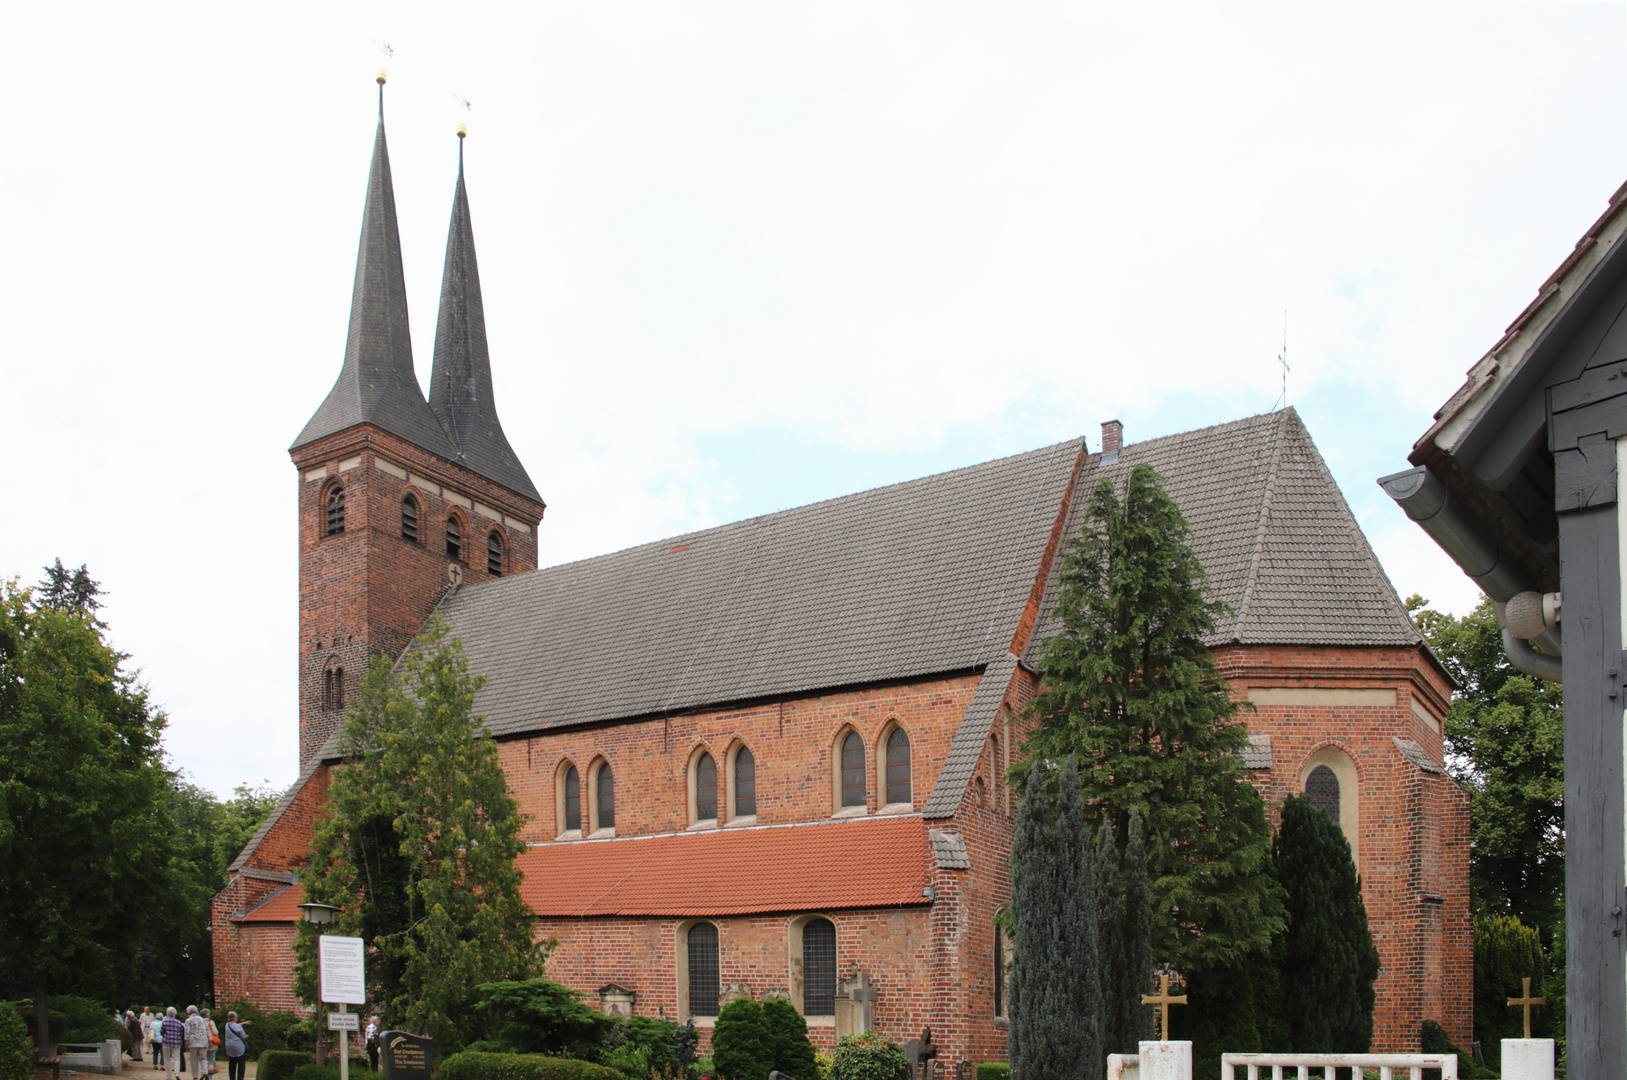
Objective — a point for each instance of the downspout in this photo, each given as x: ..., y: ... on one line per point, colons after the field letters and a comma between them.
x: 1425, y: 500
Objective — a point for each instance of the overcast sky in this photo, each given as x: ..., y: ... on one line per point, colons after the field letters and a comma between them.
x: 742, y: 256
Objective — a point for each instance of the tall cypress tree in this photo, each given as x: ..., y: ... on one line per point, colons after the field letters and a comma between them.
x: 1134, y: 1021
x: 1110, y: 954
x: 1328, y: 961
x: 1129, y: 686
x: 1076, y: 970
x: 1032, y: 933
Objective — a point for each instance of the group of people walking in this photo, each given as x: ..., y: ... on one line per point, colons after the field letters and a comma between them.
x: 173, y: 1040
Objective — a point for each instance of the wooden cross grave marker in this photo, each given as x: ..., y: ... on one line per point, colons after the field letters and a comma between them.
x: 1526, y: 1000
x: 1163, y: 999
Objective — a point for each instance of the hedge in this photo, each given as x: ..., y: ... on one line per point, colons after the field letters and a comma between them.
x: 994, y: 1070
x: 358, y: 1068
x: 16, y: 1057
x: 476, y: 1066
x: 280, y: 1064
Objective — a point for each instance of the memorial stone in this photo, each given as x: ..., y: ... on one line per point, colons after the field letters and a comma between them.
x: 406, y: 1056
x: 855, y: 1006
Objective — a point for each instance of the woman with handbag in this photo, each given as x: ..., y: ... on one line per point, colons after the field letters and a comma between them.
x: 210, y: 1068
x: 235, y: 1040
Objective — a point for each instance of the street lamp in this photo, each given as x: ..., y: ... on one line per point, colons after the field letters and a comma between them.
x: 321, y: 916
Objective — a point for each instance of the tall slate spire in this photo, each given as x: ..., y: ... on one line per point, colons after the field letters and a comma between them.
x: 460, y: 389
x: 377, y: 384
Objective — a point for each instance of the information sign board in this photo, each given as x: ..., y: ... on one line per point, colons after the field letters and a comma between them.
x: 338, y: 1021
x: 407, y: 1057
x: 341, y: 964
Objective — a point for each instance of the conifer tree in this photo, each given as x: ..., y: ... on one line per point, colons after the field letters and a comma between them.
x: 1133, y: 1020
x: 1327, y: 959
x: 1110, y: 953
x: 418, y: 843
x: 1129, y: 686
x: 1056, y: 1001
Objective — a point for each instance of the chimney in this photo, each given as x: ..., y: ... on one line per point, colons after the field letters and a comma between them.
x: 1112, y: 441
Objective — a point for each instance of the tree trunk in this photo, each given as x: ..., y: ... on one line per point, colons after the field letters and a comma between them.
x: 42, y: 1019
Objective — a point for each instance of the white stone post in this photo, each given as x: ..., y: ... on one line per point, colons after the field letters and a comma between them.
x: 1528, y: 1059
x: 1166, y: 1060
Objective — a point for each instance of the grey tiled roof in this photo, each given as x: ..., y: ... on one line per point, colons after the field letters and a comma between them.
x: 460, y: 389
x: 949, y: 850
x: 961, y: 761
x: 917, y: 578
x: 1275, y: 536
x: 377, y: 383
x: 1415, y: 754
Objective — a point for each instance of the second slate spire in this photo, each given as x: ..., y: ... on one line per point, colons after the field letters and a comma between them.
x: 460, y: 387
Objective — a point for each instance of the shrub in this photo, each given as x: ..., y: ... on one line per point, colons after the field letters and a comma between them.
x: 994, y: 1070
x: 73, y: 1019
x: 539, y: 1016
x: 706, y: 1067
x: 1433, y: 1039
x: 788, y: 1040
x: 358, y: 1067
x: 740, y: 1042
x: 16, y: 1059
x: 280, y: 1064
x: 868, y: 1057
x: 476, y: 1066
x: 628, y: 1059
x: 665, y: 1047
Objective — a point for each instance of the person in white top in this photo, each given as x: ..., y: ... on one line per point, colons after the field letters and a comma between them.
x: 197, y: 1042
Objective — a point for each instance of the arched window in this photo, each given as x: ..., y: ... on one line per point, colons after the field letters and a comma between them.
x: 573, y: 800
x: 818, y: 968
x: 1322, y: 788
x: 853, y: 770
x: 898, y: 767
x: 705, y: 788
x: 494, y: 553
x: 701, y: 942
x: 454, y: 539
x: 604, y: 797
x: 409, y: 518
x: 745, y: 783
x: 334, y: 511
x: 333, y: 685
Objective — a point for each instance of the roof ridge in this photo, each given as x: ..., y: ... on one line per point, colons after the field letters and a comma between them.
x: 1262, y: 525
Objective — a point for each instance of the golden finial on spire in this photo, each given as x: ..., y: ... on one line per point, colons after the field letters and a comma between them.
x: 380, y: 77
x: 463, y: 132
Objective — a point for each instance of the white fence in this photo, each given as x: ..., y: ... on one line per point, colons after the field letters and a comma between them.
x: 1389, y: 1066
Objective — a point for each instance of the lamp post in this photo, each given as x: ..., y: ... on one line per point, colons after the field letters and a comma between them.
x: 321, y: 916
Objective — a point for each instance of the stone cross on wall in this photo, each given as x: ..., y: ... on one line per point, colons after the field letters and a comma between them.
x: 855, y: 1006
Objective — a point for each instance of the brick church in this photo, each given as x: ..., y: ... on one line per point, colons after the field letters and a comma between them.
x: 766, y: 758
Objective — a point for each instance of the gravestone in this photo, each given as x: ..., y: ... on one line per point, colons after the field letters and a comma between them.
x: 616, y: 1000
x: 406, y: 1056
x: 733, y: 992
x: 912, y: 1055
x: 855, y: 1006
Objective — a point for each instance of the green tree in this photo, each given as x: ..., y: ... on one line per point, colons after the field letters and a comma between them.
x: 16, y: 1063
x: 1506, y: 951
x: 1505, y: 741
x: 418, y: 844
x: 537, y: 1016
x: 788, y: 1039
x: 82, y: 816
x: 1057, y: 1015
x: 62, y: 589
x: 1130, y: 688
x: 1327, y: 957
x: 1129, y: 939
x: 741, y: 1043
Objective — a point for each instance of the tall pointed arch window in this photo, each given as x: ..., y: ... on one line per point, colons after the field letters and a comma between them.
x: 701, y: 946
x: 573, y: 800
x: 454, y: 539
x: 333, y: 511
x: 897, y: 775
x: 604, y: 797
x: 494, y: 553
x: 1322, y: 789
x: 409, y: 518
x: 852, y: 771
x: 818, y: 968
x: 745, y: 783
x: 705, y: 788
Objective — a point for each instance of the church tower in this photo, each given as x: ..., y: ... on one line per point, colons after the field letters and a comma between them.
x: 400, y: 498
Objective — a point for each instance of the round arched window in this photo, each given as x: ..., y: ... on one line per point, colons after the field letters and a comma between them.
x: 1322, y: 788
x: 409, y: 518
x: 494, y: 553
x: 454, y: 539
x: 334, y: 511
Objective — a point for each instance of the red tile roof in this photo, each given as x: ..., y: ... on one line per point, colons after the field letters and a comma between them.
x: 280, y: 906
x: 813, y: 867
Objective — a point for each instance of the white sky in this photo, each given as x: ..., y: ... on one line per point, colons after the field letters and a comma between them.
x: 740, y: 256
